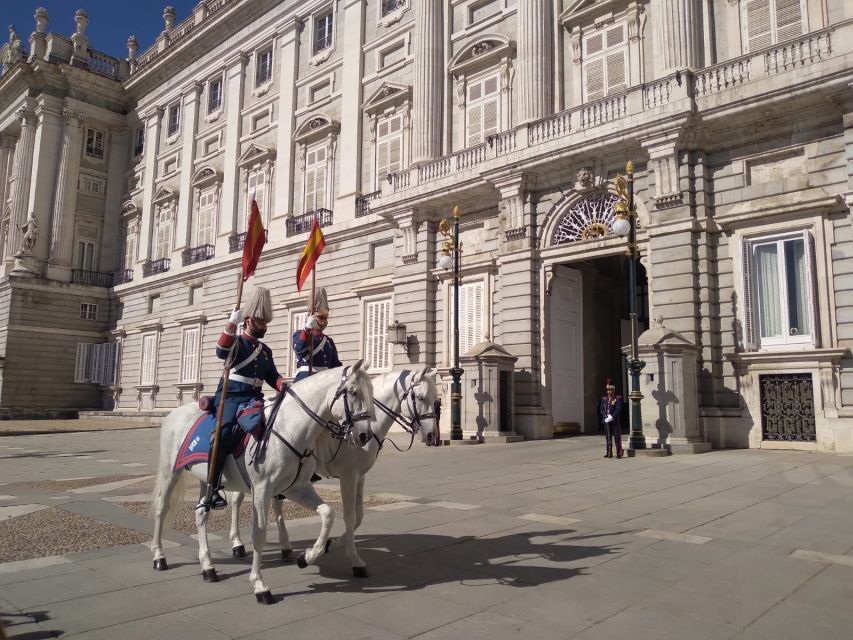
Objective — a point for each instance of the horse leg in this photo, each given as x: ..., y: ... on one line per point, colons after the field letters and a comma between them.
x: 308, y: 497
x: 208, y: 572
x: 260, y: 500
x: 283, y: 536
x: 169, y: 489
x: 235, y: 498
x: 349, y: 495
x: 359, y: 502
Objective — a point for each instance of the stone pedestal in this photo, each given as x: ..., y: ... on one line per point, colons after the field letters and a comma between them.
x: 670, y: 397
x: 27, y: 266
x: 487, y: 393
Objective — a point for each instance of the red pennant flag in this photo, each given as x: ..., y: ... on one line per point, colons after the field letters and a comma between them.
x: 256, y: 237
x: 310, y: 254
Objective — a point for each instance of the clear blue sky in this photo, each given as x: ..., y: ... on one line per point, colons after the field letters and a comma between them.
x: 110, y: 21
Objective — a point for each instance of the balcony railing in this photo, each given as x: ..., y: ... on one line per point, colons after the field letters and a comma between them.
x: 362, y: 203
x: 91, y: 278
x: 303, y: 223
x: 153, y: 267
x: 123, y: 277
x: 197, y: 254
x: 237, y: 241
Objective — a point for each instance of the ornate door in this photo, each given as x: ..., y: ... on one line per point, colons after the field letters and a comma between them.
x: 566, y: 346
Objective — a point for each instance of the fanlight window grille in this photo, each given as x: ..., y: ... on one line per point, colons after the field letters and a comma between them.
x: 588, y: 219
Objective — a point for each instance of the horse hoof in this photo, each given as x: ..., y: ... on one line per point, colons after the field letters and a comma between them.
x: 301, y: 562
x: 209, y: 575
x: 239, y: 551
x: 264, y: 597
x: 360, y: 572
x: 287, y: 555
x: 160, y: 564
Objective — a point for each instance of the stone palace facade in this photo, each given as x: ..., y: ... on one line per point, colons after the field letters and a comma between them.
x: 125, y: 185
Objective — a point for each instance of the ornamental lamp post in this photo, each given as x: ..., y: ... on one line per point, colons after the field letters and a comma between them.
x: 626, y: 225
x: 450, y: 250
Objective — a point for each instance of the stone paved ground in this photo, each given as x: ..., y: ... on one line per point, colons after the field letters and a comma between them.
x: 533, y: 540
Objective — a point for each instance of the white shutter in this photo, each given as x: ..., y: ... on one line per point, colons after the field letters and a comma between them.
x: 747, y: 302
x: 149, y: 359
x: 811, y: 279
x: 376, y: 348
x: 95, y: 366
x: 595, y: 44
x: 475, y: 119
x: 758, y: 26
x: 470, y: 316
x: 189, y: 359
x: 789, y: 20
x: 616, y: 80
x: 490, y: 117
x: 382, y: 161
x: 615, y: 36
x: 80, y: 362
x: 594, y: 73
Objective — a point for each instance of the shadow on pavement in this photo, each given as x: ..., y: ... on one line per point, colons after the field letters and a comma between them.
x: 11, y: 620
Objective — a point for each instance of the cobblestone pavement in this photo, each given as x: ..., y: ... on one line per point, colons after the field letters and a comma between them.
x: 532, y: 540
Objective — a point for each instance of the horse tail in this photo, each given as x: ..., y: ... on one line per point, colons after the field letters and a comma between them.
x: 175, y: 486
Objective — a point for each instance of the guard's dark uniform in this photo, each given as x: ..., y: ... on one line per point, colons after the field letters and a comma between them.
x: 608, y: 406
x: 325, y: 353
x: 245, y: 382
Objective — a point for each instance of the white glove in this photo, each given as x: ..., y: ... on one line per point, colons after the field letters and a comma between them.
x: 311, y: 323
x: 608, y: 419
x: 236, y: 316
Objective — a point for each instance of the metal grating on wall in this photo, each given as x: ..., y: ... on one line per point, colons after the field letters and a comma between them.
x: 787, y: 407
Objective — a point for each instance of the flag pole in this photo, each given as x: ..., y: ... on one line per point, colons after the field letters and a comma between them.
x: 313, y: 310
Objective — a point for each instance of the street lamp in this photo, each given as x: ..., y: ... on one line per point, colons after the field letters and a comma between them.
x: 626, y: 225
x: 450, y: 257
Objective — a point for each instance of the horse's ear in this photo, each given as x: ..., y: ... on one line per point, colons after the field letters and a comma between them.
x: 357, y: 365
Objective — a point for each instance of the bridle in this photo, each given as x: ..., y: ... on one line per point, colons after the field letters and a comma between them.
x: 409, y: 400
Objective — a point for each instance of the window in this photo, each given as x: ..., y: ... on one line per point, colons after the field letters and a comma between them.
x: 148, y: 371
x: 767, y: 22
x: 483, y: 10
x: 88, y: 311
x: 392, y: 54
x: 389, y: 6
x: 163, y: 237
x: 189, y: 354
x: 205, y: 220
x: 323, y: 33
x: 315, y: 178
x: 129, y: 246
x: 470, y: 316
x: 382, y: 254
x: 95, y: 143
x: 389, y: 147
x: 211, y: 145
x: 138, y: 142
x: 85, y: 258
x: 214, y: 95
x: 297, y: 322
x: 194, y: 294
x: 779, y: 290
x: 256, y: 187
x: 154, y: 303
x: 377, y: 350
x: 605, y: 63
x: 97, y: 363
x: 483, y: 110
x: 263, y: 67
x: 320, y: 91
x: 174, y: 119
x: 93, y: 186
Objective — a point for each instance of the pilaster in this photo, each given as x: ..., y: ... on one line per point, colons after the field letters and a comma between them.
x: 285, y: 148
x: 351, y: 120
x: 7, y: 160
x: 185, y: 199
x: 152, y: 149
x: 535, y: 42
x: 678, y: 36
x: 23, y: 172
x: 235, y: 79
x: 65, y: 202
x: 428, y: 83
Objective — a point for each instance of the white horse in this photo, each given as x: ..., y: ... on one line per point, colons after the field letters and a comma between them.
x: 405, y: 397
x: 327, y: 401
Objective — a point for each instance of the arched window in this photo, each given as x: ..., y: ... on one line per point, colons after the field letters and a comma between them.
x: 588, y: 219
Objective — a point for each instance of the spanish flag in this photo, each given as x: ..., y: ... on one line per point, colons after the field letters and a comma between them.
x: 310, y: 254
x: 255, y: 240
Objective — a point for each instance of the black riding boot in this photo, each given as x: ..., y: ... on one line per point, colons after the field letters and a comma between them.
x: 217, y: 500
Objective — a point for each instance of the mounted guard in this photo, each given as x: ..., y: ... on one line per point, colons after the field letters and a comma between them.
x: 315, y: 351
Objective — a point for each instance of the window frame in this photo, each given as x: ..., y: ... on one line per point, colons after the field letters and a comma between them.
x: 195, y: 342
x: 496, y: 97
x: 82, y: 253
x: 173, y: 108
x: 325, y: 17
x: 138, y: 142
x: 319, y: 169
x: 143, y: 380
x: 380, y: 340
x: 88, y: 311
x: 95, y: 146
x: 268, y: 78
x: 480, y: 278
x: 773, y: 27
x: 604, y: 56
x: 159, y: 211
x: 398, y: 135
x: 217, y: 80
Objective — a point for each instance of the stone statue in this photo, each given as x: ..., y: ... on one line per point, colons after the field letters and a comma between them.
x: 31, y: 234
x: 585, y: 179
x: 16, y: 47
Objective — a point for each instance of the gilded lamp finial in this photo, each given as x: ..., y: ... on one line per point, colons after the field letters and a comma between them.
x: 629, y: 168
x: 456, y: 211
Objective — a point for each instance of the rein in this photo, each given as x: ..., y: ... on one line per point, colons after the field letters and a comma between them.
x: 414, y: 422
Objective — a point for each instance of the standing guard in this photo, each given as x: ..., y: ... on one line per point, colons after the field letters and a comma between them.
x: 314, y: 350
x: 609, y: 412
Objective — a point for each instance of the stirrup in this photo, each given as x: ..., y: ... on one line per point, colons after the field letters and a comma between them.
x: 217, y: 502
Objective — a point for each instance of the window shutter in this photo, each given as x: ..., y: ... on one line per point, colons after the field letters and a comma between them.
x: 789, y: 20
x: 615, y: 36
x: 475, y: 117
x: 189, y: 362
x: 595, y: 44
x: 616, y: 73
x: 747, y: 302
x: 310, y: 190
x: 149, y: 355
x: 114, y: 364
x: 80, y: 363
x: 320, y: 182
x: 94, y: 372
x: 490, y: 118
x: 758, y: 27
x: 594, y: 72
x: 297, y: 322
x: 811, y: 265
x: 382, y: 161
x: 395, y: 154
x: 376, y: 348
x: 470, y: 316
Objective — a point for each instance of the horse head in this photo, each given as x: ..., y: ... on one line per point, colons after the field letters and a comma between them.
x: 419, y: 403
x: 352, y: 403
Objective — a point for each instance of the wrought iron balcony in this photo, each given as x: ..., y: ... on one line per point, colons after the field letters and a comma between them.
x: 197, y: 254
x: 303, y: 223
x: 123, y: 277
x: 236, y: 241
x: 362, y: 203
x: 153, y: 267
x: 91, y: 278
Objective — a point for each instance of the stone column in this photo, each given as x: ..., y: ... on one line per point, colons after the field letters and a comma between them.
x: 428, y: 82
x: 185, y: 199
x: 285, y: 156
x: 678, y: 36
x: 7, y: 155
x: 535, y: 42
x: 351, y: 119
x: 235, y: 80
x: 23, y: 174
x: 153, y: 121
x: 65, y: 203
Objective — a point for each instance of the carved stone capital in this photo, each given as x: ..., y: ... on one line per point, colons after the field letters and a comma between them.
x: 409, y: 223
x: 26, y: 116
